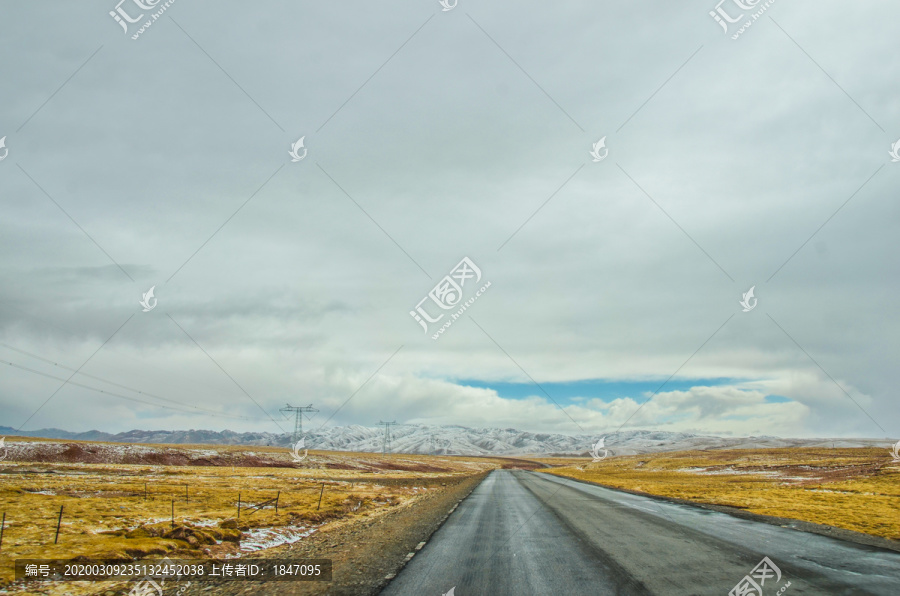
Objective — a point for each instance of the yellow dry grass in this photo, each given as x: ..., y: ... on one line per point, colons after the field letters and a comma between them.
x: 854, y: 489
x: 107, y: 515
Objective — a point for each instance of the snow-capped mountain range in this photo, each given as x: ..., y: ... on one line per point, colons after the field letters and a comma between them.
x: 450, y: 440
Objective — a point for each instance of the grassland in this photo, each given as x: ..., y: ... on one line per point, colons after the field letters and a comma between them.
x: 124, y: 510
x: 853, y: 489
x: 117, y: 500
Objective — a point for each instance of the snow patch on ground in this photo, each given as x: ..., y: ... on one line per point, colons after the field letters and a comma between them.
x: 731, y: 471
x: 727, y: 471
x: 262, y: 538
x: 202, y: 523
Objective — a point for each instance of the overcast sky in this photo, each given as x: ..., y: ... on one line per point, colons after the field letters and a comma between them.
x: 433, y: 135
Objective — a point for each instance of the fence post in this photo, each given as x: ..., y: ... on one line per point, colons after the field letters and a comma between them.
x: 173, y: 513
x: 145, y: 491
x: 187, y: 497
x: 239, y: 507
x: 2, y: 523
x: 276, y: 502
x: 320, y: 496
x: 58, y: 522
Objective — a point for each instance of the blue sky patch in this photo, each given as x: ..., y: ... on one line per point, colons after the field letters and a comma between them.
x: 571, y: 392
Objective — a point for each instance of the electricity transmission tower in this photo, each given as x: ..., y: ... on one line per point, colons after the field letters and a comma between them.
x: 298, y: 419
x: 386, y: 444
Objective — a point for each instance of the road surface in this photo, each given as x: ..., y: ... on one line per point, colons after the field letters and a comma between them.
x: 522, y: 533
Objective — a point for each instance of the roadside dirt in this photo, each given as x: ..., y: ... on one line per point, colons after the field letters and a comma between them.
x: 364, y: 554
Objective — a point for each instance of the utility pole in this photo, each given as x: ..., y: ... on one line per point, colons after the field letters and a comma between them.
x: 386, y: 444
x: 298, y: 419
x: 433, y: 444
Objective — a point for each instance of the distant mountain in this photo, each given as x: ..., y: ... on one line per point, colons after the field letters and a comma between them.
x: 450, y: 440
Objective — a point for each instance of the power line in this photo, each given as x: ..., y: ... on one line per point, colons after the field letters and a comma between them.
x: 108, y: 382
x: 68, y: 331
x: 140, y: 401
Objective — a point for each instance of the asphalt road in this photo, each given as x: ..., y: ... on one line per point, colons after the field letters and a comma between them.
x: 525, y: 533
